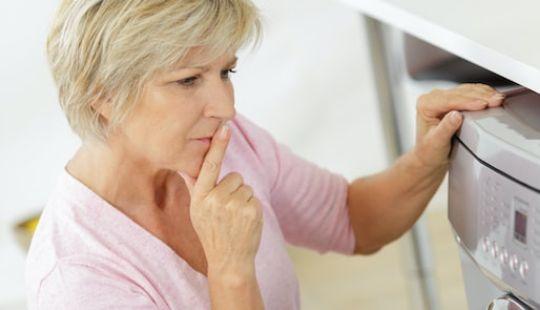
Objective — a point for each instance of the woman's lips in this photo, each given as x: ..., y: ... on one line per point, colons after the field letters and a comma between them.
x: 204, y: 141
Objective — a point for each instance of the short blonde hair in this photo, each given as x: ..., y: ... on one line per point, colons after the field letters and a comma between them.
x: 110, y: 48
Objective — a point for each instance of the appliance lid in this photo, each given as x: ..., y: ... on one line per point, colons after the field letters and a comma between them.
x: 525, y: 107
x: 507, y: 137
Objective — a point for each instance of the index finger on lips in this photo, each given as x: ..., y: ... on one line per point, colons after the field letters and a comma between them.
x: 211, y: 166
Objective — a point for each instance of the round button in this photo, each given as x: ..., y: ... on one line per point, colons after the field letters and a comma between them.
x: 485, y: 245
x: 514, y: 262
x: 495, y: 250
x: 523, y: 269
x: 503, y: 256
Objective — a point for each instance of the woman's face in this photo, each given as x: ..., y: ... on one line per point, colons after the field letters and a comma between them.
x: 177, y: 108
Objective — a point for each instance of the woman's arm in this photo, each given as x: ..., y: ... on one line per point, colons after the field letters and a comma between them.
x: 228, y: 220
x: 384, y: 206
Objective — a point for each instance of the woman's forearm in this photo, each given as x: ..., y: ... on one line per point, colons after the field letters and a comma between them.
x: 384, y: 206
x: 234, y: 290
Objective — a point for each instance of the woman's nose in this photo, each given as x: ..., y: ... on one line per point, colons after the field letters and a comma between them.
x: 221, y: 102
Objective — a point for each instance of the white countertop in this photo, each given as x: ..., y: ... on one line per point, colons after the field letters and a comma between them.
x: 501, y: 36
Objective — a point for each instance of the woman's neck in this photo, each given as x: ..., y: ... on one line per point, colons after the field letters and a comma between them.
x: 119, y: 177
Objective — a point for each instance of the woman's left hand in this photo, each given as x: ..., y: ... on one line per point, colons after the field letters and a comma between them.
x: 438, y: 119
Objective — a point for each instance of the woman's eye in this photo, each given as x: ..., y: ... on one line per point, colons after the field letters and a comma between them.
x: 190, y: 81
x: 226, y: 73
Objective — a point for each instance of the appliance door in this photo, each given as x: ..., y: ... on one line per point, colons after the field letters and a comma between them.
x: 483, y: 209
x: 480, y: 291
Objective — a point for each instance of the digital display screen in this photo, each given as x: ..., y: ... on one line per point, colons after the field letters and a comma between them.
x: 520, y: 227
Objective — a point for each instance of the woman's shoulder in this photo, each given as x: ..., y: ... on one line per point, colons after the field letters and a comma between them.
x: 254, y: 134
x: 252, y: 151
x: 253, y: 142
x: 73, y: 246
x: 59, y: 237
x: 81, y: 278
x: 73, y: 227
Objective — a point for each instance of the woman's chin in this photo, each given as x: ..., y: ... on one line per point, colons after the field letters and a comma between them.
x: 189, y: 165
x: 191, y: 171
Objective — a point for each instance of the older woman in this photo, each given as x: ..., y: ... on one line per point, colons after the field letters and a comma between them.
x: 162, y: 206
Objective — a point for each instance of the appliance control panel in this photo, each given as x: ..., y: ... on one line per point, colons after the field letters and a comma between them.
x: 496, y: 219
x: 509, y: 229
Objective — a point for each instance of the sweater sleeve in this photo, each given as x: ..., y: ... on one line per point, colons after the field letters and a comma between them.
x: 310, y: 202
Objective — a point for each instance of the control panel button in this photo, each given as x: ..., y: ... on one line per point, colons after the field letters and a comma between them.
x: 503, y: 256
x: 523, y: 269
x: 514, y: 262
x: 485, y: 245
x: 494, y: 250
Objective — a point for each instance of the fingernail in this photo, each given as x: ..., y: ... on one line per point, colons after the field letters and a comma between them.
x: 224, y: 130
x: 455, y: 117
x: 497, y: 96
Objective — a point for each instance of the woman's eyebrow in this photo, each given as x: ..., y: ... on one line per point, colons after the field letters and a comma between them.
x: 231, y: 63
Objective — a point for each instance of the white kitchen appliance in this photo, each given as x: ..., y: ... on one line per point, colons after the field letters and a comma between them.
x: 494, y: 203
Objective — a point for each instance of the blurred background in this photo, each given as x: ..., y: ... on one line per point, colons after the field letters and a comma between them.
x: 310, y: 84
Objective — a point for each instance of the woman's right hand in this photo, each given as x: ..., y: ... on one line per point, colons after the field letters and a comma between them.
x: 226, y: 216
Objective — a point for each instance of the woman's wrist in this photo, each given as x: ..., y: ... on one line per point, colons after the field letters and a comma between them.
x: 235, y: 288
x: 419, y: 176
x: 418, y: 167
x: 232, y: 276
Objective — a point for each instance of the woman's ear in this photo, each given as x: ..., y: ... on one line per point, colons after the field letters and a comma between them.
x: 102, y: 107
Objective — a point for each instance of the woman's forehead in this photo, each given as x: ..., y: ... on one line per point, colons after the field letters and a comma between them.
x: 202, y: 58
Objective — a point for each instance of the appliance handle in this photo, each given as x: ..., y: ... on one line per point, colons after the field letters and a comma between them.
x: 507, y: 302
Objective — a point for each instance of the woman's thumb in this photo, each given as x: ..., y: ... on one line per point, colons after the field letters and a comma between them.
x: 450, y: 123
